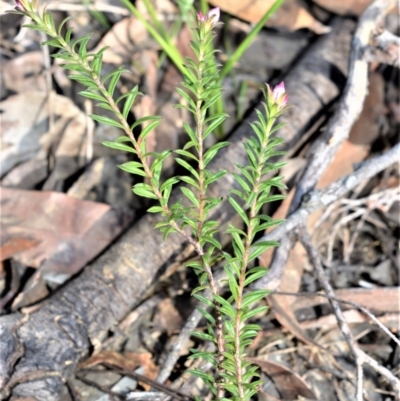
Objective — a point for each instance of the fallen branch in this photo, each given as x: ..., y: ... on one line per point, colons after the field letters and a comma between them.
x: 317, y: 199
x: 350, y: 105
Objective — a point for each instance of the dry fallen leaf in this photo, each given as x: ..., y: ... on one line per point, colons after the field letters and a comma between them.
x: 344, y: 7
x: 291, y: 15
x: 124, y: 39
x: 68, y: 232
x: 368, y: 125
x: 167, y: 317
x: 283, y: 306
x: 379, y: 300
x: 25, y: 72
x: 289, y: 384
x: 14, y: 246
x: 30, y: 140
x: 126, y: 361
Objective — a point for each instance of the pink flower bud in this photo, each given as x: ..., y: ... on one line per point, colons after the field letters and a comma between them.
x: 212, y: 16
x: 278, y: 95
x: 215, y: 14
x: 278, y: 91
x: 201, y: 17
x: 19, y: 6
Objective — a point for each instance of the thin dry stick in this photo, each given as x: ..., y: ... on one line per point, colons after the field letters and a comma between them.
x: 316, y: 262
x: 360, y: 356
x: 350, y: 303
x: 350, y: 105
x: 184, y: 335
x: 385, y: 49
x: 324, y: 197
x: 49, y: 83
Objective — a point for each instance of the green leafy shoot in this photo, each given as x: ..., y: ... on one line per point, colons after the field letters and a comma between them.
x: 228, y: 319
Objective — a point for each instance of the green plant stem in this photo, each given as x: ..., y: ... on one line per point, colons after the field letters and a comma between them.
x: 164, y: 42
x: 202, y: 202
x: 196, y: 243
x: 128, y: 132
x: 244, y: 262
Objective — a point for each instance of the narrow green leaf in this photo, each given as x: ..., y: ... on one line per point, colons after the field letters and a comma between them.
x: 106, y: 120
x: 187, y: 97
x: 253, y: 296
x: 156, y: 209
x: 254, y: 274
x: 191, y: 196
x: 129, y: 101
x: 144, y: 191
x: 188, y: 167
x: 207, y: 316
x: 61, y: 26
x: 68, y: 36
x: 143, y: 120
x: 148, y: 128
x: 92, y: 95
x: 83, y: 80
x: 170, y: 182
x: 105, y: 106
x: 133, y: 168
x: 113, y: 82
x: 215, y: 177
x: 190, y: 181
x: 119, y: 146
x: 228, y: 309
x: 53, y: 43
x: 190, y: 132
x: 187, y: 154
x: 123, y: 138
x: 204, y: 300
x: 233, y: 286
x: 239, y: 210
x: 211, y: 240
x: 254, y: 312
x: 240, y: 180
x: 210, y: 154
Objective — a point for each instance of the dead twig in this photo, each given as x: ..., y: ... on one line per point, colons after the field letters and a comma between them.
x: 324, y: 197
x: 114, y: 396
x: 344, y: 302
x: 350, y: 105
x: 184, y: 335
x: 385, y: 50
x: 143, y: 379
x: 26, y: 377
x: 360, y: 356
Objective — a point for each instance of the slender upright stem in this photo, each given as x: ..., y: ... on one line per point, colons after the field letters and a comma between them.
x: 201, y: 218
x: 244, y: 262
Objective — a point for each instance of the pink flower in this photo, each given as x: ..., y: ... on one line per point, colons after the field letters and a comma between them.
x: 278, y: 95
x: 214, y: 13
x: 278, y: 91
x: 212, y: 16
x: 19, y: 6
